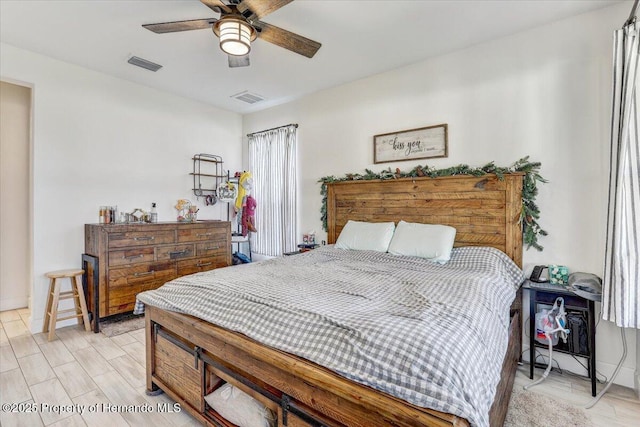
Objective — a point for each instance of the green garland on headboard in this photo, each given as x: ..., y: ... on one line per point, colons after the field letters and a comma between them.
x: 530, y: 215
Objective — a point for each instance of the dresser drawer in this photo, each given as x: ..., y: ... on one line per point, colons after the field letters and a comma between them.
x: 122, y: 299
x: 206, y: 232
x: 140, y: 238
x: 131, y: 256
x: 212, y: 248
x: 143, y: 273
x: 201, y: 264
x: 174, y: 252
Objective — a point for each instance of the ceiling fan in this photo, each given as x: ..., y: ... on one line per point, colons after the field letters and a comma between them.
x: 239, y: 24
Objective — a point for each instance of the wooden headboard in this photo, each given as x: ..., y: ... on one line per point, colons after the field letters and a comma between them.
x: 485, y: 210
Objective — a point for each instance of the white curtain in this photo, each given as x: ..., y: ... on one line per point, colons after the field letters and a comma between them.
x: 621, y: 294
x: 272, y: 161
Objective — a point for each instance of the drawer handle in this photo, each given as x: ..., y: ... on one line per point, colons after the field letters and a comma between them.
x: 144, y: 274
x: 178, y: 253
x: 204, y: 264
x: 211, y: 248
x: 144, y: 238
x: 132, y: 257
x: 204, y: 234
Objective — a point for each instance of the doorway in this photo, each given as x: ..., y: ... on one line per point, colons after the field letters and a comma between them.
x: 15, y: 190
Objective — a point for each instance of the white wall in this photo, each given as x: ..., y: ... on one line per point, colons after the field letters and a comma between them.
x: 544, y: 93
x: 99, y: 140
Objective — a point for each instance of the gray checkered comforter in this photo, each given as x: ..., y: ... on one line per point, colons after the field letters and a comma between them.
x: 433, y: 335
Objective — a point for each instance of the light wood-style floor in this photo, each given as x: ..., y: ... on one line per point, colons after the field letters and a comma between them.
x: 83, y: 369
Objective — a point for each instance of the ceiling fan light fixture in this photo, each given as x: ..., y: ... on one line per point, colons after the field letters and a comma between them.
x: 235, y: 35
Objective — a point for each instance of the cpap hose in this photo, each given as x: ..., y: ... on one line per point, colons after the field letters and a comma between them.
x: 546, y: 371
x: 615, y: 373
x: 548, y: 334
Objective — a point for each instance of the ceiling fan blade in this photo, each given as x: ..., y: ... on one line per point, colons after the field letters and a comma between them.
x: 238, y: 61
x: 216, y: 5
x: 172, y: 27
x: 286, y: 39
x: 261, y: 8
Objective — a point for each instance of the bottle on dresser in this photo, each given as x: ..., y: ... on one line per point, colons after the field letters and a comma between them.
x: 153, y: 214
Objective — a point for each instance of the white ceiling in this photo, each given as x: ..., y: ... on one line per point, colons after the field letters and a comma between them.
x: 359, y: 38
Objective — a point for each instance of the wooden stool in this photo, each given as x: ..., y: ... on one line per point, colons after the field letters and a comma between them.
x: 54, y: 297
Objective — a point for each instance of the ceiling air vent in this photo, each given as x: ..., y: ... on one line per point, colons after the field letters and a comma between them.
x: 248, y: 97
x: 143, y: 63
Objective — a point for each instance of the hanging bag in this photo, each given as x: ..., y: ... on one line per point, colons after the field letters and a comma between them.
x: 551, y: 320
x: 550, y: 324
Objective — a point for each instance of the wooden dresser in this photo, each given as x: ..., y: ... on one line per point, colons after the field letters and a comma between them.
x: 122, y: 260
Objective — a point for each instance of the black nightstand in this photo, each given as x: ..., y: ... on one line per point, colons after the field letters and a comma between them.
x: 546, y: 293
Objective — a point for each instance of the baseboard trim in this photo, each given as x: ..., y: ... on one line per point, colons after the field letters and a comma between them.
x: 36, y: 324
x: 13, y: 303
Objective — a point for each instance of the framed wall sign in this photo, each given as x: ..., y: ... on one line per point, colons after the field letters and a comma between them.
x: 422, y: 143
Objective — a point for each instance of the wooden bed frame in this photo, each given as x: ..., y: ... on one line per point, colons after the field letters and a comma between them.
x: 185, y: 354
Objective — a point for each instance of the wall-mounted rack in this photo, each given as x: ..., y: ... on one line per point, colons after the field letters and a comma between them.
x: 207, y: 174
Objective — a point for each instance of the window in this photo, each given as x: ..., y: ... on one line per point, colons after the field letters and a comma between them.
x: 272, y: 161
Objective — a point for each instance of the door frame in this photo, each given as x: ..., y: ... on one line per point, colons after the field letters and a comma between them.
x: 30, y: 173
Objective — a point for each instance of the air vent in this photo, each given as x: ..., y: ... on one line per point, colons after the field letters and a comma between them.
x: 248, y: 97
x: 143, y: 63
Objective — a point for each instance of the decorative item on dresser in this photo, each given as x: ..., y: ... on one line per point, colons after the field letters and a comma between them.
x: 122, y: 260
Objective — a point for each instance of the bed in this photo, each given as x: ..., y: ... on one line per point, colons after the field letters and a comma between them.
x: 185, y: 354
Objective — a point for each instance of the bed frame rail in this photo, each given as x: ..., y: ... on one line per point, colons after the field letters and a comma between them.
x: 299, y: 389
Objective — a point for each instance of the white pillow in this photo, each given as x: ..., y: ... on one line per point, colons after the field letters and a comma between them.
x: 366, y: 236
x: 239, y: 408
x: 430, y: 241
